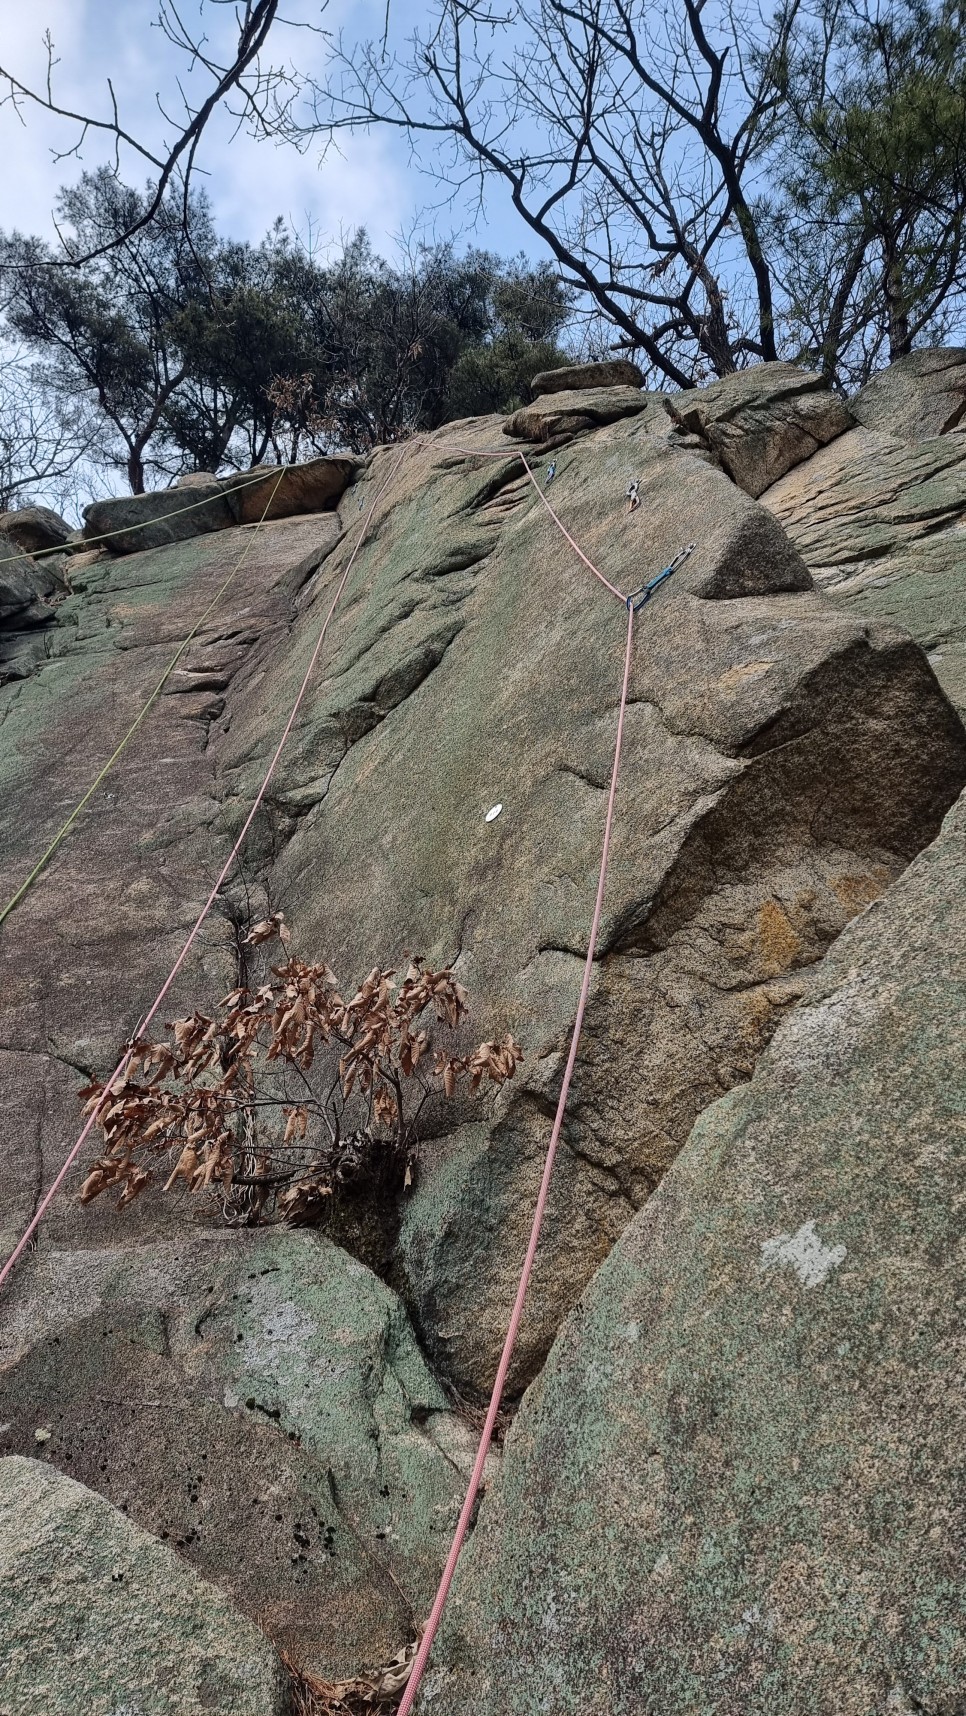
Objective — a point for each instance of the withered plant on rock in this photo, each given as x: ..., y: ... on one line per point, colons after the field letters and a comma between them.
x: 289, y: 1094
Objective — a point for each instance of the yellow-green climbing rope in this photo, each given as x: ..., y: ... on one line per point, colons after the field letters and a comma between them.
x: 65, y: 828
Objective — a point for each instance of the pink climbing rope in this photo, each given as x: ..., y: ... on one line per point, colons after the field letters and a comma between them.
x: 436, y: 1614
x: 486, y: 453
x: 76, y: 1148
x: 577, y: 550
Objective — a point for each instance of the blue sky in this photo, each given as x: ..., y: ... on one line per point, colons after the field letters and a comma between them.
x: 372, y: 183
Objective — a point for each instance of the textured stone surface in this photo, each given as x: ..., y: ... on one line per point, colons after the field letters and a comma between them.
x: 880, y: 522
x: 100, y: 1619
x: 35, y: 527
x: 134, y: 523
x: 917, y: 397
x: 737, y: 1487
x: 259, y: 1403
x: 615, y: 372
x: 784, y: 761
x: 555, y: 417
x: 769, y: 749
x: 762, y: 421
x: 313, y: 487
x: 112, y: 912
x: 26, y: 588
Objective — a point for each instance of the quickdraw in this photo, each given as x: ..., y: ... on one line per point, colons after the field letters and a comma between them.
x: 637, y: 598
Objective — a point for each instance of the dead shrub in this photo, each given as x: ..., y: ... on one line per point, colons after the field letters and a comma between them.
x: 289, y: 1094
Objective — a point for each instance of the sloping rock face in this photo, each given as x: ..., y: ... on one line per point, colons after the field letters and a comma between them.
x: 737, y: 1487
x: 919, y: 396
x: 784, y: 761
x: 878, y: 515
x: 762, y: 421
x: 96, y: 1616
x: 259, y: 1403
x: 748, y: 833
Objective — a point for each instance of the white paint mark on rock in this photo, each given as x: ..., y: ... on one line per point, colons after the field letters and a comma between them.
x: 804, y: 1252
x: 493, y: 813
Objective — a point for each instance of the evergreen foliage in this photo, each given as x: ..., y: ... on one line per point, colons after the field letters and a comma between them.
x: 201, y: 354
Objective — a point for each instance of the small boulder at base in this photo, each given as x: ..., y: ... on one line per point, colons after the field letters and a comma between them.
x: 616, y: 372
x: 35, y: 528
x: 762, y: 421
x: 98, y: 1617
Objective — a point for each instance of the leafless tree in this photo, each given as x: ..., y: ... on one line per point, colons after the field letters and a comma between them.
x: 629, y: 138
x: 256, y: 90
x: 45, y: 440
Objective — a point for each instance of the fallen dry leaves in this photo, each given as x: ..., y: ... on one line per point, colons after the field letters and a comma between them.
x: 378, y: 1692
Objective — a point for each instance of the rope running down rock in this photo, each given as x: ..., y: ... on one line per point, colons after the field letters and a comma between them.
x: 146, y: 1018
x: 65, y: 827
x: 245, y: 482
x: 466, y: 1512
x: 496, y: 1396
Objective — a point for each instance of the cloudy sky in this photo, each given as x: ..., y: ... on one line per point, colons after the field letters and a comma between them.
x: 372, y: 183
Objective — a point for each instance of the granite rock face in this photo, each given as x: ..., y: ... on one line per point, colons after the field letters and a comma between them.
x: 878, y: 515
x: 258, y: 1402
x: 784, y: 762
x: 917, y: 397
x: 762, y: 421
x: 737, y: 1487
x: 98, y: 1617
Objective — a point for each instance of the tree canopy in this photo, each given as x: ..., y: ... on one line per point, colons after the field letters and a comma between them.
x: 196, y: 353
x: 712, y: 185
x: 874, y: 181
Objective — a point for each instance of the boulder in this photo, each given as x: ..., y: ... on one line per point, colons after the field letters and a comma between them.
x: 259, y: 1403
x: 761, y: 422
x: 555, y: 417
x: 917, y: 397
x: 737, y: 1485
x: 136, y: 522
x: 26, y: 586
x: 99, y: 1617
x: 879, y: 520
x: 34, y: 528
x: 574, y: 377
x: 313, y: 487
